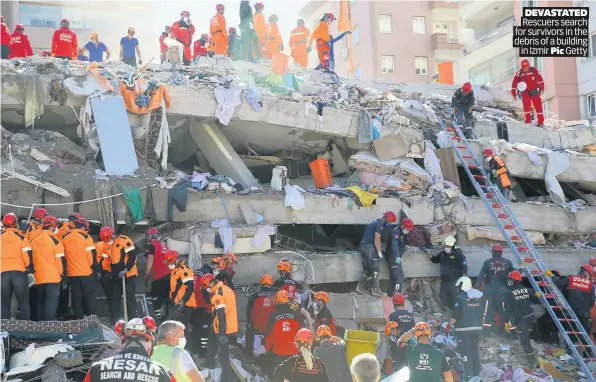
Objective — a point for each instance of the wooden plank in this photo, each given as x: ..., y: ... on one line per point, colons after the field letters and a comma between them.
x: 448, y: 165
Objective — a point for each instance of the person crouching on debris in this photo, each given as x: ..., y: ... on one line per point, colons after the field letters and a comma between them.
x: 426, y: 363
x: 371, y: 252
x: 123, y: 262
x: 259, y: 308
x: 396, y: 357
x: 400, y: 315
x: 519, y: 314
x: 324, y: 316
x: 104, y: 248
x: 34, y: 227
x: 579, y: 292
x: 200, y: 47
x: 285, y: 280
x: 222, y: 272
x: 181, y: 287
x: 395, y: 250
x: 304, y: 366
x: 453, y: 265
x: 461, y: 108
x: 498, y: 172
x: 468, y: 316
x: 332, y: 351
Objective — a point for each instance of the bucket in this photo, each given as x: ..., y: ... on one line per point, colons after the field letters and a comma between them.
x: 279, y: 63
x: 321, y: 173
x: 360, y: 341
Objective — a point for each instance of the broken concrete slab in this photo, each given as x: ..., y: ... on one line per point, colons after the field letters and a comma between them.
x: 448, y: 165
x: 390, y: 147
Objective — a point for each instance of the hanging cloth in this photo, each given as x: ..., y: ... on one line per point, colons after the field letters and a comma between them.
x: 132, y: 198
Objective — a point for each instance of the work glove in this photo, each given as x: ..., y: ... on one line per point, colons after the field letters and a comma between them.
x: 398, y: 260
x: 448, y: 328
x: 222, y: 340
x: 122, y: 273
x: 74, y: 58
x: 380, y: 254
x: 308, y: 49
x: 509, y: 327
x: 30, y: 279
x: 469, y: 110
x: 146, y: 279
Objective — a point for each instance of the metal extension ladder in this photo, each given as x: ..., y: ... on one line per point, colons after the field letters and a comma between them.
x: 538, y: 274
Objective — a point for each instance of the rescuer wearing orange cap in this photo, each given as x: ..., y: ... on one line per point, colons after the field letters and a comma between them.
x: 259, y: 308
x: 528, y: 84
x: 461, y: 108
x: 303, y: 366
x: 371, y: 253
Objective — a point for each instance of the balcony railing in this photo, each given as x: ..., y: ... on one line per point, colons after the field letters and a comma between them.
x: 443, y: 4
x: 503, y: 30
x: 444, y: 41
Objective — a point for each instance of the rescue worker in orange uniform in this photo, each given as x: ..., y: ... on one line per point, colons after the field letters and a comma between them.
x: 67, y: 225
x: 304, y: 366
x: 260, y: 30
x: 222, y: 271
x: 225, y: 320
x: 48, y: 254
x: 285, y: 321
x: 64, y: 42
x: 34, y: 226
x: 528, y: 84
x: 157, y: 269
x: 298, y: 40
x: 273, y: 42
x: 183, y: 30
x: 259, y: 308
x: 202, y: 315
x: 285, y: 281
x: 20, y: 46
x: 182, y: 288
x: 16, y: 259
x: 82, y: 268
x: 324, y: 316
x: 219, y: 31
x: 500, y: 173
x: 123, y: 264
x: 104, y: 248
x: 5, y: 39
x: 321, y: 35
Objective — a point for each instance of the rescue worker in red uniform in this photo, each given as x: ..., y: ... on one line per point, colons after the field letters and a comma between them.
x: 5, y: 38
x: 16, y: 259
x: 64, y: 42
x: 322, y: 37
x: 163, y: 48
x: 182, y: 288
x: 259, y: 308
x: 157, y: 269
x: 103, y: 248
x: 579, y: 292
x: 219, y: 31
x: 183, y: 30
x: 592, y: 263
x: 202, y: 315
x: 200, y: 47
x: 529, y: 85
x: 324, y: 316
x: 20, y: 46
x: 304, y: 366
x: 34, y: 226
x: 498, y: 172
x: 285, y: 281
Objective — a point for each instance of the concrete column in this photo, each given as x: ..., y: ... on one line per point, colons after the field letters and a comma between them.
x: 219, y: 152
x: 10, y: 11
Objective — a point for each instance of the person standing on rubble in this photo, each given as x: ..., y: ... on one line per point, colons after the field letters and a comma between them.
x: 183, y: 30
x: 163, y: 48
x: 82, y: 268
x: 426, y: 363
x: 200, y: 47
x: 104, y: 248
x: 96, y: 48
x: 16, y: 260
x: 579, y: 292
x: 34, y: 226
x: 235, y: 45
x: 5, y: 38
x: 64, y: 42
x: 298, y: 40
x: 395, y: 250
x: 129, y: 48
x: 250, y: 42
x: 157, y: 269
x: 181, y: 288
x: 453, y: 265
x: 332, y: 351
x: 285, y: 280
x: 519, y: 314
x: 468, y: 317
x: 304, y: 366
x: 332, y: 42
x: 259, y: 308
x: 324, y: 316
x: 219, y: 31
x: 462, y: 103
x: 48, y: 255
x: 322, y: 37
x: 371, y: 253
x: 528, y: 84
x: 494, y: 274
x: 273, y: 41
x: 400, y: 315
x: 260, y: 29
x: 20, y: 47
x: 201, y: 317
x: 123, y: 263
x: 498, y: 172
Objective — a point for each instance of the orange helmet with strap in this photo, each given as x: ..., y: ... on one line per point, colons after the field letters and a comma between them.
x: 10, y: 220
x: 282, y: 297
x: 106, y: 233
x: 206, y: 280
x: 323, y: 331
x: 305, y: 336
x: 284, y: 266
x: 219, y: 262
x: 390, y: 326
x: 170, y: 257
x: 322, y: 296
x: 49, y: 221
x: 422, y: 329
x: 267, y: 280
x: 230, y: 258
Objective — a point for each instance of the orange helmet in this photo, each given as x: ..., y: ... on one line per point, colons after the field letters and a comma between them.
x: 284, y: 266
x: 515, y: 276
x: 10, y: 220
x: 322, y: 296
x: 106, y: 233
x: 587, y: 268
x: 390, y: 326
x: 267, y: 280
x: 170, y: 257
x: 136, y: 327
x: 206, y: 279
x: 422, y: 329
x: 282, y: 297
x: 39, y: 213
x: 525, y: 63
x: 219, y: 262
x: 304, y: 335
x: 398, y: 299
x: 230, y: 258
x: 323, y: 331
x: 49, y: 221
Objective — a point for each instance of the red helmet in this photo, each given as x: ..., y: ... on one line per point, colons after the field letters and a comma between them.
x: 220, y: 7
x: 184, y: 11
x: 525, y: 63
x: 304, y: 335
x: 515, y: 276
x: 204, y: 36
x: 136, y: 327
x: 49, y: 221
x: 390, y: 216
x: 83, y: 222
x: 152, y: 231
x: 75, y: 216
x: 232, y: 30
x: 170, y: 256
x: 592, y: 261
x: 44, y: 53
x: 106, y: 233
x: 206, y: 279
x: 40, y: 213
x: 19, y: 26
x: 587, y: 268
x: 487, y: 153
x: 259, y: 6
x: 497, y: 248
x: 398, y: 299
x: 330, y: 16
x: 10, y: 220
x: 273, y: 17
x: 407, y: 223
x: 466, y: 87
x: 64, y: 21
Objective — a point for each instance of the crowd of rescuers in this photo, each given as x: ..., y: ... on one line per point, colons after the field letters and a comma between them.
x: 258, y: 38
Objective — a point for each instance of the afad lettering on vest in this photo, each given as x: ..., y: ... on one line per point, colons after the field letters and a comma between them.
x: 579, y: 283
x: 424, y: 363
x: 133, y: 367
x: 65, y: 37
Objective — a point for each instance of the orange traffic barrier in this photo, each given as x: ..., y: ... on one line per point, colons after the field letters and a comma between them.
x: 321, y: 173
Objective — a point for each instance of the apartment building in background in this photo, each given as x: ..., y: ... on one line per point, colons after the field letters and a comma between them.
x: 586, y: 69
x: 110, y: 19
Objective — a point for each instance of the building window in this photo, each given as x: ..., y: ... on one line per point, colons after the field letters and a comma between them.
x: 591, y: 106
x: 419, y: 25
x: 385, y: 24
x: 387, y: 64
x: 441, y: 28
x: 355, y: 36
x: 357, y: 73
x: 421, y: 64
x: 43, y: 23
x: 498, y: 71
x: 592, y: 48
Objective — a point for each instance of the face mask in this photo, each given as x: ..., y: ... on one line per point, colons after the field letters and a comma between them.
x: 406, y: 231
x: 593, y: 269
x: 171, y: 266
x: 487, y: 160
x: 209, y: 290
x: 510, y: 283
x: 447, y: 249
x: 185, y: 19
x: 181, y: 342
x: 393, y: 338
x: 215, y: 272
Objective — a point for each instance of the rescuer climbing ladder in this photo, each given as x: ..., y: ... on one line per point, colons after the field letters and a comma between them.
x: 538, y: 274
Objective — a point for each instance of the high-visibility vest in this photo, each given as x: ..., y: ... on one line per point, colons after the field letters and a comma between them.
x: 169, y: 356
x: 502, y: 172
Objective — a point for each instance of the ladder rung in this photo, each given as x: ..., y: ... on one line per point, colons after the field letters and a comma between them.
x: 515, y: 237
x: 529, y: 260
x: 523, y: 249
x: 497, y: 205
x: 566, y: 319
x: 457, y: 138
x: 574, y: 333
x: 582, y: 346
x: 542, y: 283
x: 549, y: 295
x: 462, y: 147
x: 536, y: 271
x: 509, y: 226
x: 489, y: 195
x: 467, y: 156
x: 451, y: 129
x: 479, y: 176
x: 502, y: 216
x: 472, y: 166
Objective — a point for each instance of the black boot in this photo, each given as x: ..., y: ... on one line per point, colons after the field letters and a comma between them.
x: 375, y: 289
x: 361, y: 288
x: 532, y: 363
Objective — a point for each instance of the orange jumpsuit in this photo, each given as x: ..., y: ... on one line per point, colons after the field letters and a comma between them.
x: 321, y: 35
x: 183, y: 34
x: 273, y: 40
x: 298, y: 40
x: 219, y: 34
x: 261, y: 31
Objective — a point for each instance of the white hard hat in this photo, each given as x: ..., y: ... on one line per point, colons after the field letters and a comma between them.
x: 464, y: 283
x: 521, y: 86
x: 449, y: 240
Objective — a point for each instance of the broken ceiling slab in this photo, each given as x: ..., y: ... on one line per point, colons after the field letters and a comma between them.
x: 45, y: 185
